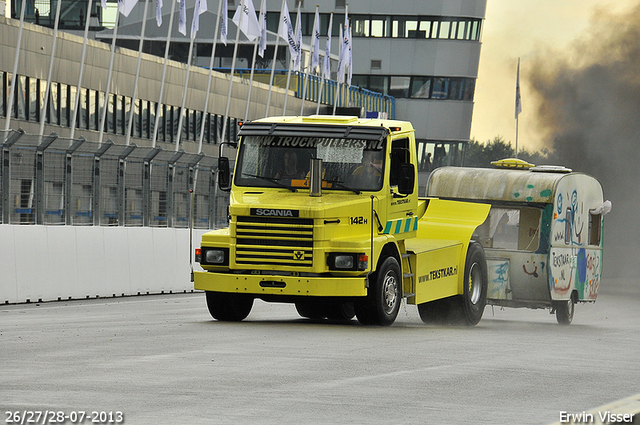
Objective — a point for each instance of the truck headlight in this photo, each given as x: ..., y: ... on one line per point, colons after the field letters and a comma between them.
x: 214, y: 256
x: 347, y: 261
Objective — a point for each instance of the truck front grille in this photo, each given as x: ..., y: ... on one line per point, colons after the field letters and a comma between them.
x: 274, y: 241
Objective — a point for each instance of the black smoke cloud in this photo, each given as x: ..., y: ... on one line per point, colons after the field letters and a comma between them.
x: 589, y: 110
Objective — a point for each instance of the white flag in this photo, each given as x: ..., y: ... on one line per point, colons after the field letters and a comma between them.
x: 350, y: 57
x: 296, y: 60
x: 182, y: 22
x: 344, y: 48
x: 286, y: 31
x: 315, y: 42
x: 326, y: 66
x: 103, y: 3
x: 199, y: 9
x: 223, y: 25
x: 518, y: 100
x: 159, y: 12
x: 340, y: 72
x: 249, y: 25
x: 126, y: 6
x: 263, y: 28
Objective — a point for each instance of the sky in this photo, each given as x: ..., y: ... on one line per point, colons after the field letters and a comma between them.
x: 580, y: 88
x: 526, y: 29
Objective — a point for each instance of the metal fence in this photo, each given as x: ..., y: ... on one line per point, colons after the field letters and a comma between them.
x: 58, y: 181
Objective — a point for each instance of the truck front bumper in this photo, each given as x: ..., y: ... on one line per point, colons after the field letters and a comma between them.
x: 281, y: 285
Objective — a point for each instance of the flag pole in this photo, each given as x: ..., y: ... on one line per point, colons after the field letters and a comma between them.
x: 263, y: 14
x: 273, y: 64
x: 213, y: 54
x: 45, y: 104
x: 164, y: 73
x: 326, y: 66
x: 135, y: 84
x: 84, y: 54
x: 196, y: 10
x: 299, y: 53
x: 518, y: 104
x: 233, y: 68
x: 14, y: 76
x: 108, y: 86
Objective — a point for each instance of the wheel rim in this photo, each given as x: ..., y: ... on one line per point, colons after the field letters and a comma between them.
x: 570, y: 306
x: 390, y: 292
x: 475, y: 284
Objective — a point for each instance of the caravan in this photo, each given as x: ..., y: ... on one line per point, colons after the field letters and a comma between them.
x: 543, y: 235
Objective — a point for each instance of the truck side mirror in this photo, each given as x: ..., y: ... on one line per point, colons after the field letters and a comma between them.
x: 224, y: 174
x: 406, y: 178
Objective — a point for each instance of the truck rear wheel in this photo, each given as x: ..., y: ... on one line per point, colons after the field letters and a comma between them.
x: 435, y: 312
x: 470, y: 305
x: 228, y: 307
x: 382, y: 303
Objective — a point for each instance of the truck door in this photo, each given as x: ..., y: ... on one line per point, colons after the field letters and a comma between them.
x: 402, y: 208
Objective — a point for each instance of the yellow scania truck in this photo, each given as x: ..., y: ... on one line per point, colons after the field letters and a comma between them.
x: 324, y: 213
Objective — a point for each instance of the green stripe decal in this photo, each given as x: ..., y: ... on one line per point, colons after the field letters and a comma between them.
x: 401, y: 225
x: 387, y: 228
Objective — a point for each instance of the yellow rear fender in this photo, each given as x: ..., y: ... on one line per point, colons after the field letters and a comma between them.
x: 452, y: 221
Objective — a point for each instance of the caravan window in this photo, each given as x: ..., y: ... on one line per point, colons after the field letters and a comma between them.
x: 594, y: 229
x: 516, y: 229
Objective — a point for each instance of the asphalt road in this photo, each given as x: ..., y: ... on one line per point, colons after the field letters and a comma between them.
x: 162, y: 360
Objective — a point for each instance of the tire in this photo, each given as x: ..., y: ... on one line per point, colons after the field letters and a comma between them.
x: 310, y: 310
x: 469, y: 307
x: 435, y: 312
x: 381, y: 305
x: 343, y: 311
x: 229, y: 307
x: 564, y: 311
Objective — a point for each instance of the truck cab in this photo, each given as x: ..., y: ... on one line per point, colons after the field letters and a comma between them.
x: 322, y: 210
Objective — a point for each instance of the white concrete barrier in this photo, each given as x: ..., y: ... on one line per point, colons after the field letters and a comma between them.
x: 45, y: 263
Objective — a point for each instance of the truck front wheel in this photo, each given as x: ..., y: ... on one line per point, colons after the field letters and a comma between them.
x: 228, y: 307
x: 382, y: 303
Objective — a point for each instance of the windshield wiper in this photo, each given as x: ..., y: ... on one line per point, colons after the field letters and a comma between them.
x: 340, y: 184
x: 272, y: 180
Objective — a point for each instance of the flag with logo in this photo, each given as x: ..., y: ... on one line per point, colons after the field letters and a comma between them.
x: 315, y: 42
x: 263, y: 28
x: 223, y: 25
x: 249, y: 22
x: 344, y: 48
x: 201, y: 7
x: 286, y: 31
x: 298, y: 41
x: 126, y: 6
x: 182, y: 22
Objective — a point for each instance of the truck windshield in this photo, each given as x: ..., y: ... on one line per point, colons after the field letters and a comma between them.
x: 277, y: 161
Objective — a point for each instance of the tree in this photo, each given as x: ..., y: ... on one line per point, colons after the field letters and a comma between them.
x: 482, y: 154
